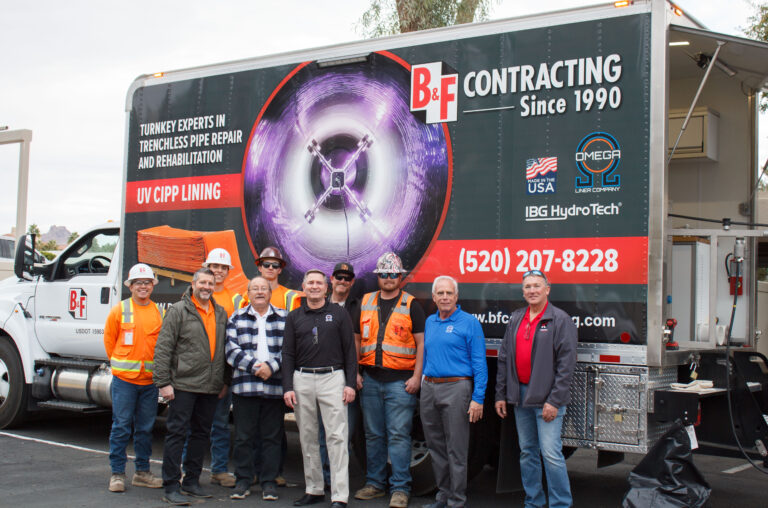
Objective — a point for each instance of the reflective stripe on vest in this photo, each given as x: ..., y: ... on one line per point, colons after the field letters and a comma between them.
x: 398, y: 350
x: 290, y: 296
x: 237, y: 300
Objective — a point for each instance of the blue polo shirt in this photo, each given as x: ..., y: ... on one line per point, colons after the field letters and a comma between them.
x: 455, y: 346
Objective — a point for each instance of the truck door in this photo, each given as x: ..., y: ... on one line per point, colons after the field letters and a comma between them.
x: 71, y: 305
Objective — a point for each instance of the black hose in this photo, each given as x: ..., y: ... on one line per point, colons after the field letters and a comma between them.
x: 727, y: 370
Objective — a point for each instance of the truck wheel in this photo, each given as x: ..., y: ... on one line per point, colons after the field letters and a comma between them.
x: 422, y: 475
x: 14, y: 391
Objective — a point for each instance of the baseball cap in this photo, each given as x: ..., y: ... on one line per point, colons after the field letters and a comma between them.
x: 343, y: 268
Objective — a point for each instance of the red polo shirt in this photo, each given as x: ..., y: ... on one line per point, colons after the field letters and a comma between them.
x: 524, y: 344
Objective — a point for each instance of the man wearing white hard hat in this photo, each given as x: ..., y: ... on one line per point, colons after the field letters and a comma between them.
x: 130, y: 334
x: 220, y: 262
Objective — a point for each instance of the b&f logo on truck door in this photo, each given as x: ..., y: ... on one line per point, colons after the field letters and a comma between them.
x: 433, y: 92
x: 78, y: 303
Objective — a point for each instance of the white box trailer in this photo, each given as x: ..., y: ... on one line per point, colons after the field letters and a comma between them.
x: 479, y: 151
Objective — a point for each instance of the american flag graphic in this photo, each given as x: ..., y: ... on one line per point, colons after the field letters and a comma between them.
x: 540, y: 167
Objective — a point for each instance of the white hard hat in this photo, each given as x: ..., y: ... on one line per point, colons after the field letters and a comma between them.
x: 140, y: 271
x: 219, y: 256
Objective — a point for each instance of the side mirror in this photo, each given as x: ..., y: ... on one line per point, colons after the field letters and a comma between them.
x: 24, y: 262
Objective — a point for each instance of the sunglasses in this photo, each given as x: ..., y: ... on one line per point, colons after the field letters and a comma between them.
x: 345, y: 278
x: 269, y: 264
x: 538, y: 273
x: 389, y: 275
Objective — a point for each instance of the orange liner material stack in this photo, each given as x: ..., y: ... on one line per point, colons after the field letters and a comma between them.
x: 185, y: 251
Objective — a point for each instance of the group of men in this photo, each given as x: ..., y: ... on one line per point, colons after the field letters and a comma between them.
x: 318, y: 353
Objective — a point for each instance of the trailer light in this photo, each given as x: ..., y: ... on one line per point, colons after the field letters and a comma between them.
x: 680, y: 43
x: 623, y: 3
x: 332, y: 62
x: 158, y: 75
x: 677, y: 10
x: 610, y: 358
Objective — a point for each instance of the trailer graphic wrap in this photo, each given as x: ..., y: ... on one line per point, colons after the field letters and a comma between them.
x: 336, y: 159
x: 479, y: 157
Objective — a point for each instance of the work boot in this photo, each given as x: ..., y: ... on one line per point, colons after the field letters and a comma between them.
x: 280, y: 481
x: 146, y: 479
x: 224, y: 479
x: 117, y: 482
x: 369, y: 492
x: 399, y: 499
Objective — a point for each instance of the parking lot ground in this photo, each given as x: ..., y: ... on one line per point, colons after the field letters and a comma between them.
x: 62, y: 461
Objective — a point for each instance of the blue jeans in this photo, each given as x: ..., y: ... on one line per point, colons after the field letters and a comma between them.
x: 219, y: 436
x: 388, y: 417
x: 539, y: 439
x: 133, y: 407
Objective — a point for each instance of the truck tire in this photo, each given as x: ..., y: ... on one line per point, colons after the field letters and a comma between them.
x: 14, y: 391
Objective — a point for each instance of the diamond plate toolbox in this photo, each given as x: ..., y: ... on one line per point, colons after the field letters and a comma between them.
x: 610, y: 404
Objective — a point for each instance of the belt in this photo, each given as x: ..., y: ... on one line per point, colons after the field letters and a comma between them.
x: 318, y: 370
x: 446, y: 379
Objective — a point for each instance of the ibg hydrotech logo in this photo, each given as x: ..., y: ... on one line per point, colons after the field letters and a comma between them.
x: 597, y: 158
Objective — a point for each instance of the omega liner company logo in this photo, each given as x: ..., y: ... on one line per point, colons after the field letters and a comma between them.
x: 597, y: 158
x: 434, y: 89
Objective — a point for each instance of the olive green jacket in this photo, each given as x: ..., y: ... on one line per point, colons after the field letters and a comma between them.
x: 183, y: 352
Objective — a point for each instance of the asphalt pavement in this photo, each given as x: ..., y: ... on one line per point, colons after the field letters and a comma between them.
x: 61, y: 461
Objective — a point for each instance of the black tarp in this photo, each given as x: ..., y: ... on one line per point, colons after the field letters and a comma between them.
x: 667, y: 476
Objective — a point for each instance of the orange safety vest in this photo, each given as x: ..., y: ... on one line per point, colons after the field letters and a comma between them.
x: 392, y: 346
x: 127, y: 360
x: 235, y: 298
x: 284, y: 298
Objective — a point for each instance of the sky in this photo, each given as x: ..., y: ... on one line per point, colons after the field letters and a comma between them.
x: 65, y: 69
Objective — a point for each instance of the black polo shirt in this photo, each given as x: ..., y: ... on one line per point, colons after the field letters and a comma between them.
x: 319, y: 338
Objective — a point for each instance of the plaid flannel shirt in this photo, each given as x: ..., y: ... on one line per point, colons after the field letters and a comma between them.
x: 242, y: 343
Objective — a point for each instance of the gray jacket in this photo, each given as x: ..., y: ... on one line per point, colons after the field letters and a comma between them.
x: 553, y: 359
x: 183, y: 352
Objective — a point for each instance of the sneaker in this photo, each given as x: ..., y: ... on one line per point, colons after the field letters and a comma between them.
x: 146, y: 479
x: 399, y: 499
x: 369, y: 492
x: 194, y: 490
x: 224, y: 479
x: 241, y: 491
x: 268, y: 492
x: 175, y: 498
x: 117, y: 482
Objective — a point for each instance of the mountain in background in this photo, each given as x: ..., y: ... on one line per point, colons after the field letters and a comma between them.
x: 59, y: 233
